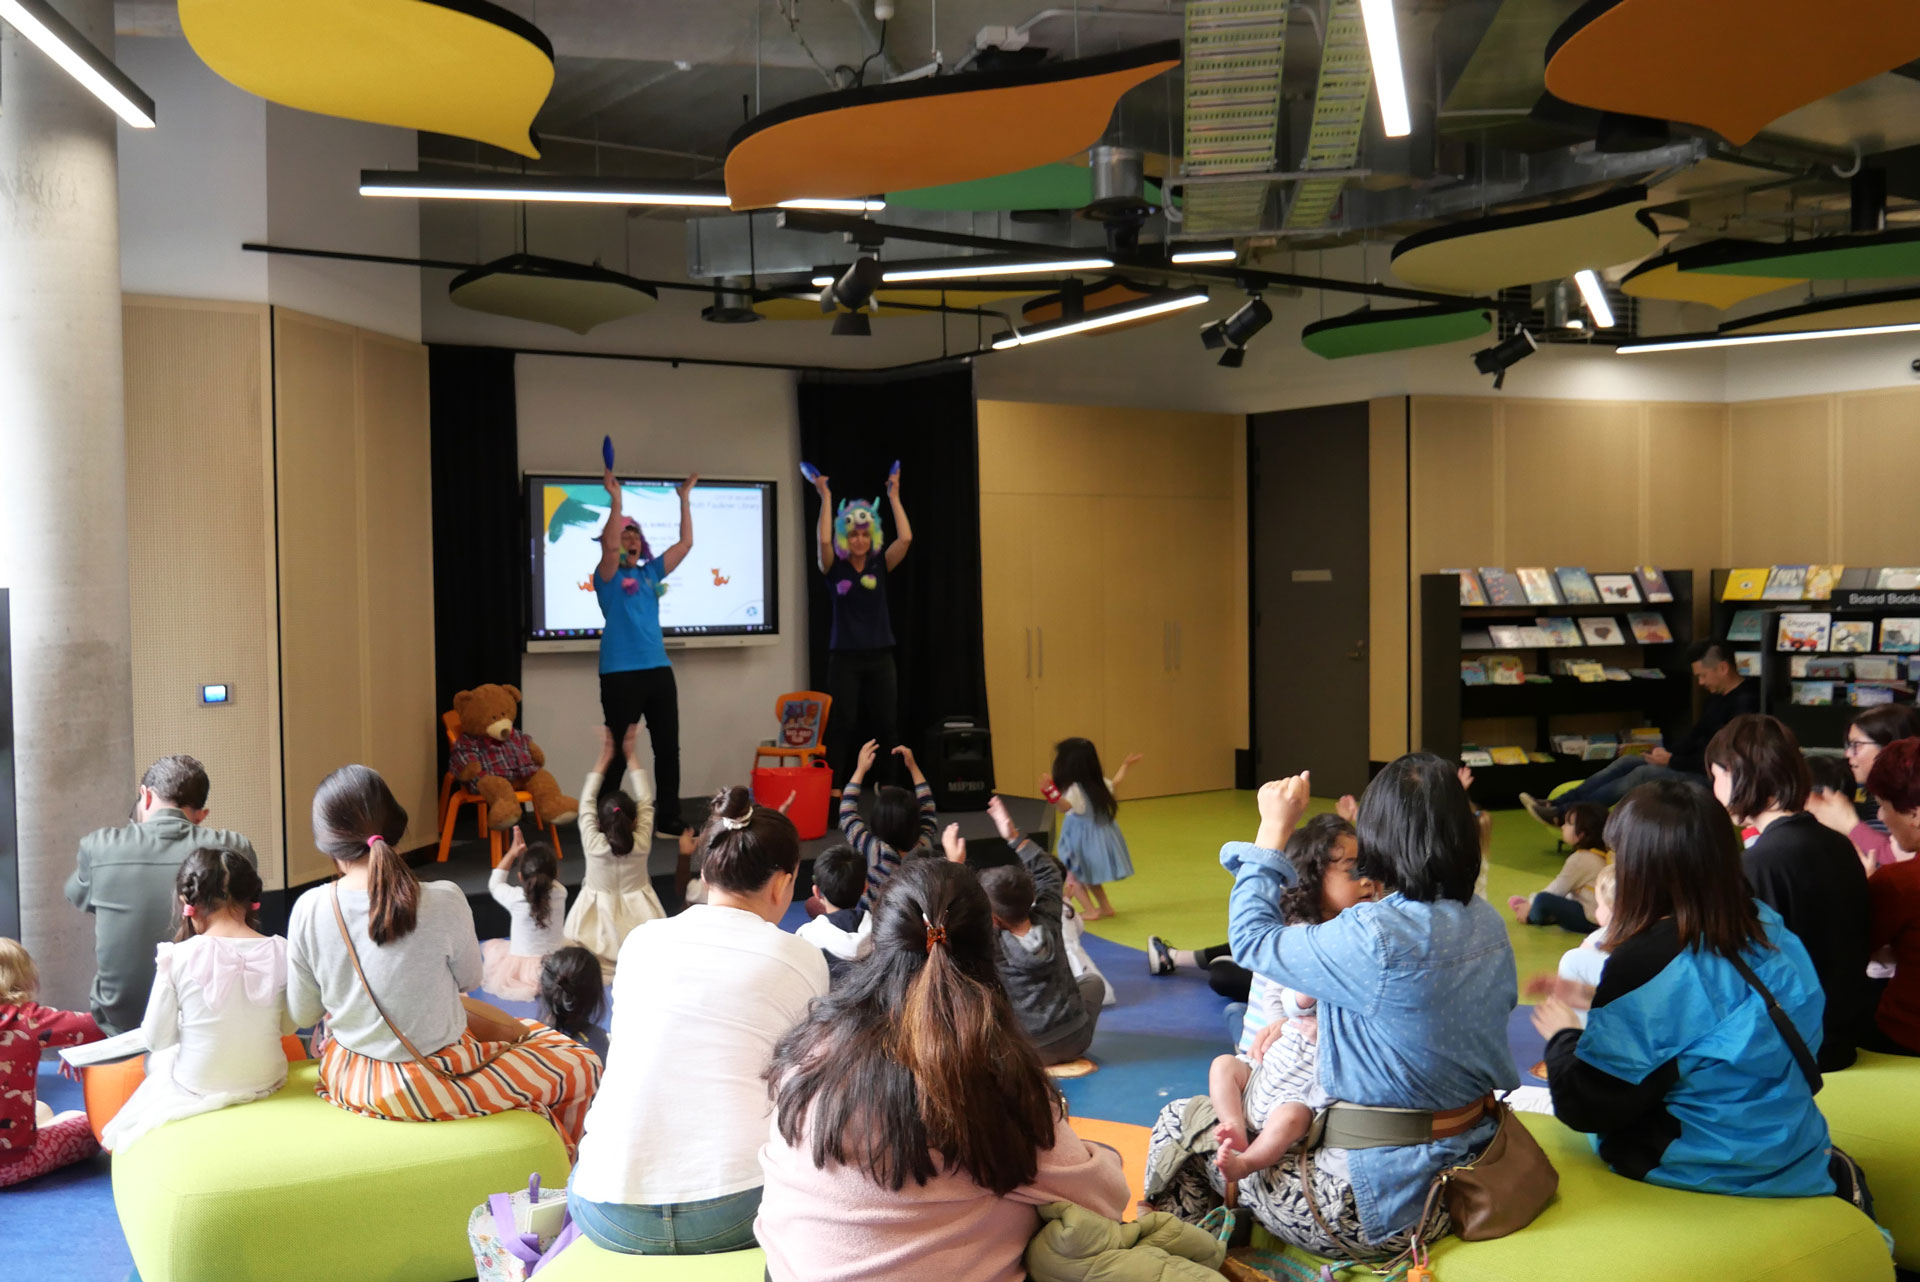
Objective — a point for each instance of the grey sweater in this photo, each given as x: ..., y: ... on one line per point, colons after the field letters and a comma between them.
x: 1034, y: 967
x: 418, y: 979
x: 124, y: 877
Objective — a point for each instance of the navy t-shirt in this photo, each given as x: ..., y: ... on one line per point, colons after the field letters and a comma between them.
x: 860, y: 619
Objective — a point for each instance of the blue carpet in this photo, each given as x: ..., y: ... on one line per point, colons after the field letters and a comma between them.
x: 63, y: 1225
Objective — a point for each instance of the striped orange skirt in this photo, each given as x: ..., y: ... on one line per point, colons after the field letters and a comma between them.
x: 549, y: 1074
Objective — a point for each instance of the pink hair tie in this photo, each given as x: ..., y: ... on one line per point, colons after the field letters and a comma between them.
x: 186, y: 910
x: 256, y: 906
x: 374, y: 840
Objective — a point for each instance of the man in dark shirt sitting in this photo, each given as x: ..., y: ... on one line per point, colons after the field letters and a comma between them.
x: 1728, y: 696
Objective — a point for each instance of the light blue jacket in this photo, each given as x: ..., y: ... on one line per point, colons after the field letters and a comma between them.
x: 1414, y: 1005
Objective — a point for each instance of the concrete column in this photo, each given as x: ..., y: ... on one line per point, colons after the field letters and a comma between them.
x: 63, y: 485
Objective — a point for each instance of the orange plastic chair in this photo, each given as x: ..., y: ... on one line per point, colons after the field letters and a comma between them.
x: 453, y: 796
x: 802, y: 715
x: 106, y: 1088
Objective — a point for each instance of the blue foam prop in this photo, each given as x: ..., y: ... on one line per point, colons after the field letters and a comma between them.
x: 809, y: 471
x: 895, y: 469
x: 606, y: 451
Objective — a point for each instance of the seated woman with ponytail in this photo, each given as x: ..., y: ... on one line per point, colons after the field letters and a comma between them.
x: 669, y: 1164
x: 916, y: 1134
x: 386, y: 960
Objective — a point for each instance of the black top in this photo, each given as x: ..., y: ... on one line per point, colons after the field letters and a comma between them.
x: 1813, y: 878
x: 1690, y: 754
x: 860, y: 620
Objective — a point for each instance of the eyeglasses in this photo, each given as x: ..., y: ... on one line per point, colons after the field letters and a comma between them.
x: 1856, y: 745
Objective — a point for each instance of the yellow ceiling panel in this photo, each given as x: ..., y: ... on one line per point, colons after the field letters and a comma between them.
x: 1488, y: 254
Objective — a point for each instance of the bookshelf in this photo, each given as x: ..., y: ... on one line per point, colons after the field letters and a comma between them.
x: 1446, y: 703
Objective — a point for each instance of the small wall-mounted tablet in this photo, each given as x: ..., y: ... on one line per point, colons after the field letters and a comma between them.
x: 216, y: 695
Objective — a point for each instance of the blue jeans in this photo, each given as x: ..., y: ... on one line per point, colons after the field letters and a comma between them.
x: 1236, y: 1014
x: 1621, y: 776
x: 1559, y: 910
x: 682, y: 1228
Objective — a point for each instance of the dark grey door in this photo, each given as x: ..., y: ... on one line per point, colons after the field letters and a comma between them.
x: 1307, y: 519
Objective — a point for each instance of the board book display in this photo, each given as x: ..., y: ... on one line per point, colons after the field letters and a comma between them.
x: 1576, y: 585
x: 1803, y: 632
x: 1537, y: 583
x: 1617, y: 589
x: 1785, y: 583
x: 1502, y: 587
x: 1653, y: 584
x: 1649, y: 627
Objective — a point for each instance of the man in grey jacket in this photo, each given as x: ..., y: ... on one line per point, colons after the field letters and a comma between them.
x: 125, y: 877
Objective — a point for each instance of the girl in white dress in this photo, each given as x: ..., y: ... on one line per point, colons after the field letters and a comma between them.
x: 527, y: 885
x: 218, y: 1007
x: 616, y: 832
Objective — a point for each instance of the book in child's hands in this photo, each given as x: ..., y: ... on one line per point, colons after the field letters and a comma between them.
x: 1538, y: 585
x: 1559, y: 630
x: 1470, y: 592
x: 1813, y: 694
x: 1617, y: 589
x: 1821, y: 581
x: 1476, y: 639
x: 1506, y: 636
x: 1600, y: 630
x: 124, y: 1046
x: 1653, y: 584
x: 1786, y: 583
x: 1900, y: 636
x: 1747, y: 662
x: 1505, y: 669
x: 1852, y: 636
x: 1803, y: 632
x: 1502, y: 587
x: 1509, y: 756
x: 1649, y: 627
x: 1745, y: 585
x: 1473, y: 672
x: 1576, y: 585
x: 1900, y: 578
x: 1747, y: 625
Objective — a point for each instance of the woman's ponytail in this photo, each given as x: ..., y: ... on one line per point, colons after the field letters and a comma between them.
x: 393, y: 893
x: 355, y: 816
x: 538, y: 872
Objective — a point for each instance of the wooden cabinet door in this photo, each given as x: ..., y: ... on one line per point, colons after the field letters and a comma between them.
x: 1006, y: 596
x: 1069, y: 697
x: 1139, y: 640
x: 1199, y: 609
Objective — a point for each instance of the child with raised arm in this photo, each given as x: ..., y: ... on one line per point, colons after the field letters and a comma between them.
x: 527, y: 885
x: 1091, y: 844
x: 616, y: 832
x: 901, y: 825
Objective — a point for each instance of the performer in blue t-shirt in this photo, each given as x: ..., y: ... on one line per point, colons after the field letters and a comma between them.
x: 636, y: 681
x: 860, y: 671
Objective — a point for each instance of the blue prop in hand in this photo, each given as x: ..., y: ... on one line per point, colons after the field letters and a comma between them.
x: 895, y: 469
x: 606, y: 451
x: 809, y: 471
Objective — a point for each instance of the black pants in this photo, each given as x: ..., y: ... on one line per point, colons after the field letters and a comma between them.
x: 1560, y: 910
x: 866, y: 705
x: 650, y: 695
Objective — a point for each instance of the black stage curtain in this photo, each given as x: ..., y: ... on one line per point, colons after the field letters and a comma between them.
x: 478, y: 580
x: 853, y: 431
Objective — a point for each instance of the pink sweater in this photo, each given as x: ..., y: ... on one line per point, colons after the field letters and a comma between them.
x: 835, y: 1225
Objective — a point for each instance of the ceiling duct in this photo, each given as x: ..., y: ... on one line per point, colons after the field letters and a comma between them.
x: 1339, y: 115
x: 1119, y: 183
x: 1236, y: 51
x: 732, y: 303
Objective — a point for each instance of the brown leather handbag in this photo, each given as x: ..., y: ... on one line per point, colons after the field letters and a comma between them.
x: 1504, y: 1189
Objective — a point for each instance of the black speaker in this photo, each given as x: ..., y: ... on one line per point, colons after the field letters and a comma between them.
x: 958, y: 763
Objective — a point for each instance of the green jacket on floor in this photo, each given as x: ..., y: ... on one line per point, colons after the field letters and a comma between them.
x: 1076, y: 1245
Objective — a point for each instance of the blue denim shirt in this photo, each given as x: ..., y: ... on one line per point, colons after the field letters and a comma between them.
x: 1414, y: 1005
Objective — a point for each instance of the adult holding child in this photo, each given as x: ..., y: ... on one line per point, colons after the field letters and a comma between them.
x: 861, y: 675
x: 1895, y: 889
x: 1860, y: 822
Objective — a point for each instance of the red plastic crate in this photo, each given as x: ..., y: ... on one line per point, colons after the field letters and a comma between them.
x: 811, y: 788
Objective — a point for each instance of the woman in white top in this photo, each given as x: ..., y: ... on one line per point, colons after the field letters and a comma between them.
x: 616, y: 832
x: 527, y: 885
x: 670, y: 1161
x: 218, y: 1007
x: 386, y: 959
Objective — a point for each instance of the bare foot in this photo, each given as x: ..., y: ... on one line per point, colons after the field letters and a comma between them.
x: 1518, y: 905
x: 1234, y: 1166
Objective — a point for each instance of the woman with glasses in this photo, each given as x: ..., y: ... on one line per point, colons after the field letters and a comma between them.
x: 1858, y: 818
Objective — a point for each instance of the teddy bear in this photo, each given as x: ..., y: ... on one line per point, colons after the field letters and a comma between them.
x: 493, y: 759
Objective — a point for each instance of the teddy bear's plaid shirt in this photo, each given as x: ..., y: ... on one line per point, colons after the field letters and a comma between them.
x: 509, y: 757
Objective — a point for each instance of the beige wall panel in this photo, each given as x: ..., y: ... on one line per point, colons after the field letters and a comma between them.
x: 402, y: 721
x: 321, y: 620
x: 199, y: 449
x: 1101, y: 451
x: 1686, y: 488
x: 1387, y: 585
x: 1453, y: 508
x: 1571, y: 487
x: 1879, y: 459
x: 1022, y: 447
x: 1241, y: 590
x: 1781, y: 474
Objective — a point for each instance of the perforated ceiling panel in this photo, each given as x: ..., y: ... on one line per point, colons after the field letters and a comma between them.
x: 1235, y: 53
x: 1339, y: 114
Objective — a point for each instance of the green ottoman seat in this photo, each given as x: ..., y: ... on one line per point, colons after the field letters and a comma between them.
x: 585, y: 1262
x: 1873, y: 1112
x: 292, y: 1187
x: 1604, y: 1225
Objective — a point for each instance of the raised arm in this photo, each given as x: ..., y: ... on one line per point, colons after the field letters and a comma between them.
x: 670, y: 559
x: 923, y: 792
x: 590, y: 793
x: 902, y: 529
x: 1120, y: 774
x: 610, y: 533
x: 1048, y: 881
x: 823, y: 533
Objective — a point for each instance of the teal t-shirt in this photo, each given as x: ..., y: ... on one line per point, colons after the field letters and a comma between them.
x: 630, y: 603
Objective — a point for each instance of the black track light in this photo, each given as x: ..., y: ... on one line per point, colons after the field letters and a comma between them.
x: 1237, y: 330
x: 854, y: 287
x: 1509, y: 351
x: 1234, y: 357
x: 852, y: 325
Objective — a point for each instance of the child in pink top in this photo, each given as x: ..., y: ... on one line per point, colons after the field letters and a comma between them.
x: 32, y: 1141
x: 914, y: 1130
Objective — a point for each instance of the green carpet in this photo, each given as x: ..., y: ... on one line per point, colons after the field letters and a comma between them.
x: 1178, y: 890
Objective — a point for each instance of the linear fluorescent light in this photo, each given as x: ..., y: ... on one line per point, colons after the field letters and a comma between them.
x: 1204, y: 256
x: 870, y: 206
x: 1596, y: 298
x: 821, y: 282
x: 1100, y: 320
x: 967, y: 271
x: 61, y: 41
x: 1383, y: 46
x: 1748, y: 340
x: 528, y: 187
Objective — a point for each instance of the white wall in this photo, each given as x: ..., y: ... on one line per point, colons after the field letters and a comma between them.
x: 719, y: 422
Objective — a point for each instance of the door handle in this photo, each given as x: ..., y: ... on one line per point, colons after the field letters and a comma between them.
x: 1041, y: 634
x: 1359, y: 650
x: 1166, y: 646
x: 1179, y: 647
x: 1029, y: 654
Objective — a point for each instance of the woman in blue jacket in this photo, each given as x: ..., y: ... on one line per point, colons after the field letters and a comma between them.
x: 1680, y: 1075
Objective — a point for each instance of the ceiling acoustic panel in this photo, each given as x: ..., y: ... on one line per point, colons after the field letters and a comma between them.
x: 1368, y: 333
x: 1062, y: 185
x: 1877, y: 256
x: 892, y: 302
x: 1488, y: 254
x: 1732, y: 66
x: 1235, y: 53
x: 1836, y: 311
x: 461, y: 67
x: 1666, y: 278
x: 551, y: 292
x: 933, y: 132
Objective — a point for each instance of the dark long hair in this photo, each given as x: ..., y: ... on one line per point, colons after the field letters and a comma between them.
x: 1676, y: 855
x: 1311, y: 851
x: 210, y: 880
x: 1417, y: 831
x: 572, y: 989
x: 1763, y: 761
x: 618, y: 815
x: 355, y: 816
x: 895, y: 818
x: 918, y: 1052
x: 1589, y: 820
x: 1076, y: 761
x: 538, y: 871
x: 744, y: 859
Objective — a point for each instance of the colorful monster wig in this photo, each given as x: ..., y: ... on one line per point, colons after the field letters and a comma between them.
x: 646, y: 550
x: 855, y: 513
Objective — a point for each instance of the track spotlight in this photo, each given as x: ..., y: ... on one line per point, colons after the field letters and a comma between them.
x: 1509, y: 351
x: 854, y: 288
x: 852, y: 325
x: 1237, y: 330
x: 1234, y: 357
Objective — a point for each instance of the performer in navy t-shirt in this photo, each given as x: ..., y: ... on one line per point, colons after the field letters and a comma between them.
x: 860, y: 671
x: 636, y: 681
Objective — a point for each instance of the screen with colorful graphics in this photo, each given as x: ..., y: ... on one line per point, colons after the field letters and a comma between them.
x: 725, y: 587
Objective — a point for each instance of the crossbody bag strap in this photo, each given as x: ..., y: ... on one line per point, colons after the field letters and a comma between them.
x: 1809, y: 1067
x: 353, y: 955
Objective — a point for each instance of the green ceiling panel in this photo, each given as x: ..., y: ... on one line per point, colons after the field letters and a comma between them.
x: 1880, y: 256
x: 1368, y: 333
x: 1056, y: 186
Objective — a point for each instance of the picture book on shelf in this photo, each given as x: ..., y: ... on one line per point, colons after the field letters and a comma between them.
x: 1855, y: 578
x: 1823, y: 667
x: 1539, y: 679
x: 1473, y: 672
x: 1876, y: 667
x: 1502, y: 587
x: 1852, y: 636
x: 1600, y: 750
x: 1587, y: 671
x: 1540, y: 758
x: 1747, y: 662
x: 1900, y: 636
x: 1600, y: 630
x: 1868, y: 696
x: 1559, y: 630
x: 1576, y: 585
x: 1535, y: 638
x: 1745, y: 585
x: 1470, y: 592
x: 1786, y: 583
x: 1649, y: 627
x: 1900, y: 578
x: 1472, y: 755
x: 1506, y: 636
x: 1796, y: 666
x: 1647, y: 674
x: 1813, y: 694
x: 1617, y: 589
x: 1653, y: 584
x: 1505, y: 669
x: 1822, y: 580
x: 1509, y: 756
x: 1476, y: 639
x: 1537, y: 583
x: 1617, y: 674
x: 1748, y: 625
x: 1804, y: 632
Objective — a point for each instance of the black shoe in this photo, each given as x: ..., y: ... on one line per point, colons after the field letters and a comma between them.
x: 1159, y: 956
x: 1541, y: 810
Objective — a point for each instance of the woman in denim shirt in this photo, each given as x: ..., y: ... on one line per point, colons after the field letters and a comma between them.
x: 1414, y: 994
